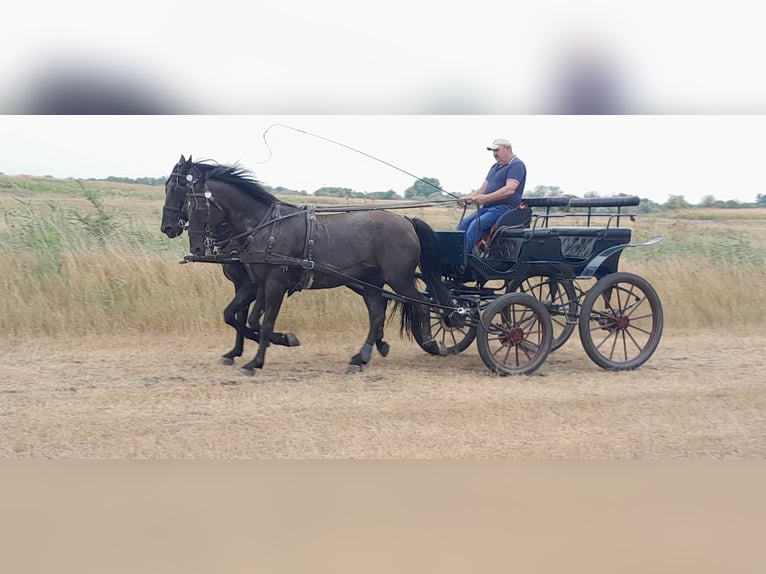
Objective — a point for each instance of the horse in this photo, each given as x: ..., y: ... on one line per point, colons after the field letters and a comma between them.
x: 235, y: 314
x: 287, y: 248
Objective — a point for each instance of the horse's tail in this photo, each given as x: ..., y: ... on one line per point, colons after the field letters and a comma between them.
x: 430, y: 268
x: 430, y: 261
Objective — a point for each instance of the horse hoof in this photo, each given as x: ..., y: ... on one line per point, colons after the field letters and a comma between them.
x: 226, y: 361
x: 383, y: 348
x: 354, y: 369
x: 443, y: 350
x: 247, y: 372
x: 292, y: 340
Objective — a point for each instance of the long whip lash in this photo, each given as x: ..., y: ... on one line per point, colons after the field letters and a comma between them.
x: 352, y: 149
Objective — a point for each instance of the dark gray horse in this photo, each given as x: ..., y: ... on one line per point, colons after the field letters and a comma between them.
x: 287, y: 248
x: 246, y: 292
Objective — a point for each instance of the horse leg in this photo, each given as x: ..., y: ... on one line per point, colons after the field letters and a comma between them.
x: 380, y: 344
x: 254, y: 321
x: 420, y: 314
x: 235, y: 315
x: 376, y: 310
x: 273, y: 295
x: 230, y: 318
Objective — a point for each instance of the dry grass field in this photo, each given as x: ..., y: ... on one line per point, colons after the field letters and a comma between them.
x: 700, y: 396
x: 109, y: 348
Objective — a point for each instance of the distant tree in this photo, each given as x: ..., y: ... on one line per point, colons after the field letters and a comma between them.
x: 334, y: 192
x: 545, y: 191
x: 138, y: 180
x: 390, y: 194
x: 676, y: 202
x: 591, y: 194
x: 648, y: 206
x: 707, y: 201
x: 423, y: 188
x: 279, y: 190
x: 760, y: 200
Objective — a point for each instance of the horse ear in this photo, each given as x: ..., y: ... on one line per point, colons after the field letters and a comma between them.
x: 182, y: 160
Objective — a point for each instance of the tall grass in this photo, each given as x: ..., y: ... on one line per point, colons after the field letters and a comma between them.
x: 98, y: 264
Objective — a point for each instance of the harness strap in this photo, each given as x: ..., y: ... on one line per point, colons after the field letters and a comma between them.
x: 250, y: 257
x: 307, y: 277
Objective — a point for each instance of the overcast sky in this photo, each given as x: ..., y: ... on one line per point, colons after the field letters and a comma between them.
x: 649, y: 156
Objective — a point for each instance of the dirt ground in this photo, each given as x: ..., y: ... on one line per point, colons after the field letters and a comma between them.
x: 700, y: 396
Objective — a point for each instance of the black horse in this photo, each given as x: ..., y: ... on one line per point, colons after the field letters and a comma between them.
x: 287, y: 248
x: 246, y: 292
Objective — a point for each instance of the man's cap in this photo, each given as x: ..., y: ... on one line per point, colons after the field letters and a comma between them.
x: 497, y: 143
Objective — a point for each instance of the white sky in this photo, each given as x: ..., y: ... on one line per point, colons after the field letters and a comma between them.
x: 649, y: 156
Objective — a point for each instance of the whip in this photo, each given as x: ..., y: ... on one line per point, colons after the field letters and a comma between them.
x: 352, y: 149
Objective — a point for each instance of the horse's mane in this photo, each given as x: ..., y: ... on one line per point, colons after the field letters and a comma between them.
x: 242, y: 178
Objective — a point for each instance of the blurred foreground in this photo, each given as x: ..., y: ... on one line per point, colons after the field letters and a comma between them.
x: 592, y: 58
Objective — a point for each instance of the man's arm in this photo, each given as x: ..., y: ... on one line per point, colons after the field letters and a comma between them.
x: 470, y: 198
x: 504, y: 192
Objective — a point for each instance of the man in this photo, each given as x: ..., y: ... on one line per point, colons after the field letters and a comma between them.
x: 501, y: 192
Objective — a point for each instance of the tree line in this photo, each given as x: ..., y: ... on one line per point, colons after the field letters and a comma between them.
x: 429, y: 189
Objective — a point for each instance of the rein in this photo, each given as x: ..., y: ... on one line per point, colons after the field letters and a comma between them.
x: 265, y: 222
x: 310, y: 265
x: 368, y: 207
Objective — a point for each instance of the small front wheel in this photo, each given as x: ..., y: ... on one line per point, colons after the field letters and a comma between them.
x: 515, y: 334
x: 455, y: 333
x: 621, y: 321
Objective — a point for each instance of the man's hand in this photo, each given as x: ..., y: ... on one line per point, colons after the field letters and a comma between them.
x: 476, y: 200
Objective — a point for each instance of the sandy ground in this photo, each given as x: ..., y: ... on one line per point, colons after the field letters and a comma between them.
x: 700, y: 396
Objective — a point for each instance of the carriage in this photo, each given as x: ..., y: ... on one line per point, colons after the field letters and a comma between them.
x: 523, y: 294
x: 520, y: 296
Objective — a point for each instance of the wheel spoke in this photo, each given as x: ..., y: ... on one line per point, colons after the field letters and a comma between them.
x: 605, y: 339
x: 640, y: 329
x: 639, y: 346
x: 624, y: 345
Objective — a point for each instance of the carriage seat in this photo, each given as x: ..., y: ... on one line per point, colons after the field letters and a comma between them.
x: 580, y: 243
x: 507, y: 242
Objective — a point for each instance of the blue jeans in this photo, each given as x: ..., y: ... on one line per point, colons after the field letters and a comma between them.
x: 489, y: 215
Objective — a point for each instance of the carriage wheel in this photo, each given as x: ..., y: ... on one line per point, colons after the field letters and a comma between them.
x: 515, y: 334
x: 456, y: 333
x: 621, y: 321
x: 559, y: 298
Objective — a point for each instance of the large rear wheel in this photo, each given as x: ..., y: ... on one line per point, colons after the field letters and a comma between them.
x: 515, y: 334
x: 621, y: 321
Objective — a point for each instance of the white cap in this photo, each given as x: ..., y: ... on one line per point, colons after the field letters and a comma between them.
x: 498, y: 143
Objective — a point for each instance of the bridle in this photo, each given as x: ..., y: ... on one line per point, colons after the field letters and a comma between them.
x: 182, y: 180
x: 197, y: 201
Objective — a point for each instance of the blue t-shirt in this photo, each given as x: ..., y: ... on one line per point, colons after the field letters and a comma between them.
x: 499, y: 174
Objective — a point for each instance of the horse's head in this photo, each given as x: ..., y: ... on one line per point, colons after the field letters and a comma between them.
x: 207, y: 219
x: 224, y: 205
x: 178, y: 184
